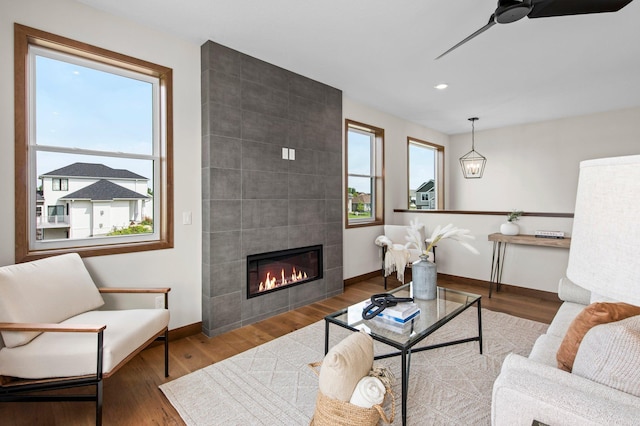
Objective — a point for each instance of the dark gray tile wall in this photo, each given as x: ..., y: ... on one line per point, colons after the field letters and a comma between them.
x: 253, y: 201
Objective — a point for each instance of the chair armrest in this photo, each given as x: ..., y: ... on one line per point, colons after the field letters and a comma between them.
x: 527, y: 390
x: 132, y: 290
x: 58, y: 328
x: 571, y: 292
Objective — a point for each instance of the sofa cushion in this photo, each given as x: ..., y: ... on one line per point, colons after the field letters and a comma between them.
x: 344, y: 365
x: 545, y: 349
x: 74, y: 354
x: 48, y: 290
x: 592, y: 315
x: 610, y: 354
x: 562, y: 320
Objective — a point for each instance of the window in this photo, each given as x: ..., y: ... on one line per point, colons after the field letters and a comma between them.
x: 93, y: 149
x: 54, y: 211
x: 59, y: 184
x: 364, y: 168
x: 426, y: 175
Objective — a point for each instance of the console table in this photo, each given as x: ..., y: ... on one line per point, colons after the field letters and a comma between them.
x: 500, y: 242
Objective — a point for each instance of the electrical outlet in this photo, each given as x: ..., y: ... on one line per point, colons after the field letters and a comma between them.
x: 159, y: 302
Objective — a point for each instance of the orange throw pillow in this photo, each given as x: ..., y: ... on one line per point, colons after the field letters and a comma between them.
x: 592, y: 315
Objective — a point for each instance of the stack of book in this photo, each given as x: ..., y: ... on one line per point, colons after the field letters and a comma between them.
x: 400, y: 314
x: 549, y: 234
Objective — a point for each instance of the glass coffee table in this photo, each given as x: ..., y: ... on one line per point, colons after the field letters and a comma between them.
x: 435, y: 313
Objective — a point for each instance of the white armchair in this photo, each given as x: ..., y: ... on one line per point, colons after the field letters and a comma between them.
x: 396, y: 253
x: 55, y: 337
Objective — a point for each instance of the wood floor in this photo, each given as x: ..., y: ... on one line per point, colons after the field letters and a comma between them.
x: 132, y: 397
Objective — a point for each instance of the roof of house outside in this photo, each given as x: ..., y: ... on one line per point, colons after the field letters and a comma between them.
x: 362, y: 198
x: 426, y: 186
x: 103, y: 190
x: 91, y: 170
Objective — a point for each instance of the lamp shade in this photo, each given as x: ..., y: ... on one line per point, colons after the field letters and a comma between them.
x: 472, y: 164
x: 605, y: 241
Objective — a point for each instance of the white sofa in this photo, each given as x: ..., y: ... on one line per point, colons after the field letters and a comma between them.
x: 53, y: 330
x: 533, y: 388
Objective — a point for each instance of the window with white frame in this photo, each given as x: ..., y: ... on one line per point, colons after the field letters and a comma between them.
x: 425, y: 175
x: 59, y: 184
x: 365, y: 160
x: 95, y: 150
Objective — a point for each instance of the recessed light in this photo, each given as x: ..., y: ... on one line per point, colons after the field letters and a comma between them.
x: 441, y: 86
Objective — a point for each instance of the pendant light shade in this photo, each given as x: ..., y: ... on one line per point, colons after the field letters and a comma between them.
x: 472, y: 162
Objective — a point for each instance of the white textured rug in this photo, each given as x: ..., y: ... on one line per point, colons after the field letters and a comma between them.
x: 272, y: 385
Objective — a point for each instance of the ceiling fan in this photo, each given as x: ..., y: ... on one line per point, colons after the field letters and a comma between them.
x: 513, y: 10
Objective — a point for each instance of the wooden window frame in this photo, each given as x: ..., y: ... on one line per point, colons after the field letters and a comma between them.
x: 439, y: 164
x: 24, y: 37
x: 378, y: 185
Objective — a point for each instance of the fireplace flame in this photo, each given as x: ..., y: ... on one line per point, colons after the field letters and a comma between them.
x: 271, y: 282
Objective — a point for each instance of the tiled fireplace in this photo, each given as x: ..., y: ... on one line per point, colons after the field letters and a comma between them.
x: 254, y: 200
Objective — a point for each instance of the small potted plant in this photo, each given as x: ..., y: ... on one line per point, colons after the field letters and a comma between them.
x: 511, y: 227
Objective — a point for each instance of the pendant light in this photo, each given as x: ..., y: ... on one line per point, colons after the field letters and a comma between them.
x: 472, y: 162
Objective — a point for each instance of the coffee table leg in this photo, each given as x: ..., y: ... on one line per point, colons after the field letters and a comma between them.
x: 405, y: 383
x: 480, y: 326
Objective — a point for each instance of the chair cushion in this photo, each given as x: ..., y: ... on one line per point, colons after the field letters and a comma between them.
x: 610, y: 355
x: 344, y: 365
x: 48, y: 290
x: 592, y: 315
x: 73, y: 354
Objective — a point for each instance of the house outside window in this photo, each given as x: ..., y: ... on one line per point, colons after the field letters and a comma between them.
x: 425, y: 175
x: 94, y: 146
x: 364, y: 167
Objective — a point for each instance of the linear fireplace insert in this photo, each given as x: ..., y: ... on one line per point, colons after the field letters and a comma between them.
x: 268, y: 272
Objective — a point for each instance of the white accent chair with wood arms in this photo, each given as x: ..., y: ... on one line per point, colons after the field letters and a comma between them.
x: 396, y: 253
x: 55, y: 337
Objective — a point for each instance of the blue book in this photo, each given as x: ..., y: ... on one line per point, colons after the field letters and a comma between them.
x: 399, y: 317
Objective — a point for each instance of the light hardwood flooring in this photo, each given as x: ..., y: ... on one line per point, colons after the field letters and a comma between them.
x: 132, y: 397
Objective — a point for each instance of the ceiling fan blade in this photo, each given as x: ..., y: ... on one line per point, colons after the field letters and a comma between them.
x: 548, y: 8
x: 491, y: 23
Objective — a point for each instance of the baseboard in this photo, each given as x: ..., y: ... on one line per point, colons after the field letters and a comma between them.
x: 185, y: 331
x: 506, y: 288
x: 363, y: 277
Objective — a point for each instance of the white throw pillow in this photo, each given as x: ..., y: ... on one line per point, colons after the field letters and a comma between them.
x: 610, y: 354
x: 45, y: 291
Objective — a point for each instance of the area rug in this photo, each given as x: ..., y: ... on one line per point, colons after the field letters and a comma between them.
x: 272, y: 384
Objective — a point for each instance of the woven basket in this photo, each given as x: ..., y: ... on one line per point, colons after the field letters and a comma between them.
x: 333, y: 412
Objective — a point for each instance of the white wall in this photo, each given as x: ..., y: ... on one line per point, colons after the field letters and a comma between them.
x: 178, y: 267
x: 533, y: 167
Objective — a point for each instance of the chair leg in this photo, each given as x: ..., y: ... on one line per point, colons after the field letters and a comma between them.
x: 99, y: 403
x: 384, y: 274
x: 166, y: 353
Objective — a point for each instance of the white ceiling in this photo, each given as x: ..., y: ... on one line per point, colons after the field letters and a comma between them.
x: 381, y: 53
